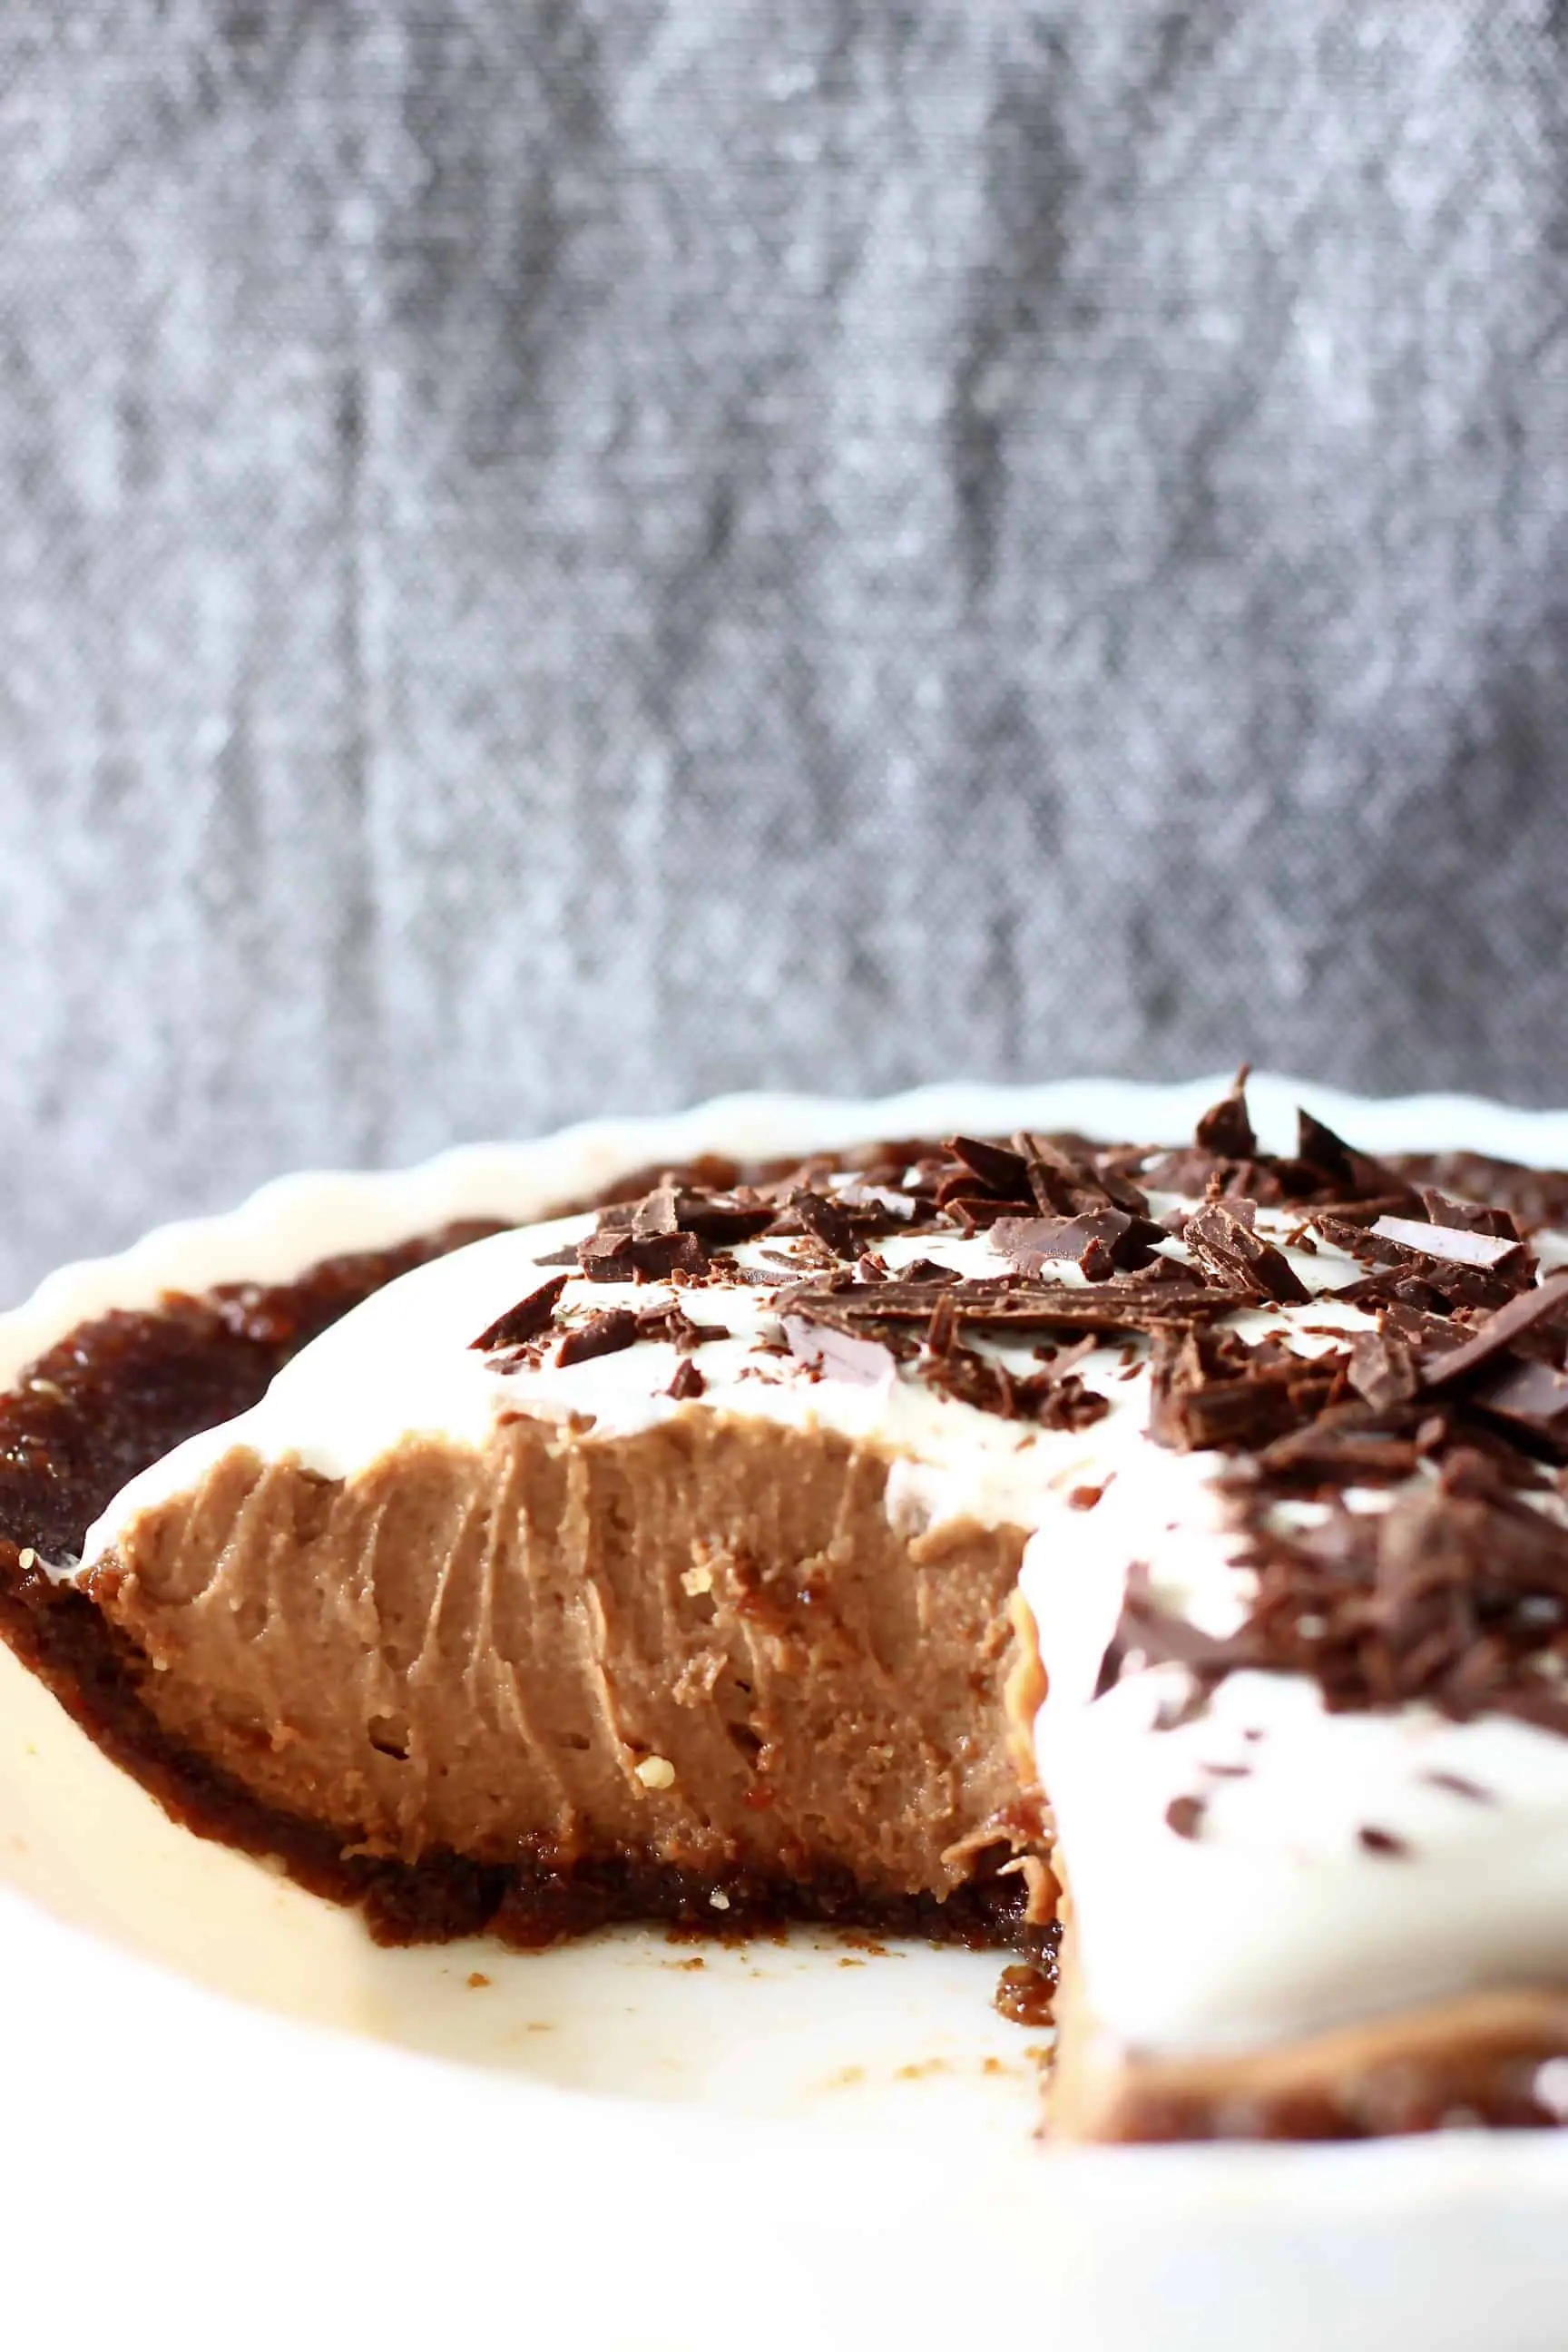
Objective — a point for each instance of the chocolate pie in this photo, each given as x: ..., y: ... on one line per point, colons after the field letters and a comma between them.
x: 1161, y: 1555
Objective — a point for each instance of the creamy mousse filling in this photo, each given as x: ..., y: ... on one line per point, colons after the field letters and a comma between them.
x: 705, y: 1642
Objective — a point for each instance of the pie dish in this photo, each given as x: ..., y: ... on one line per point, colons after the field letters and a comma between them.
x: 705, y: 1554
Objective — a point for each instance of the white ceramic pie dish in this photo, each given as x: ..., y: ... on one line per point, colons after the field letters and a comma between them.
x: 230, y: 2114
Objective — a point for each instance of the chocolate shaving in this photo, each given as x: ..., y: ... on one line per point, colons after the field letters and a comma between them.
x: 1147, y: 1635
x: 835, y: 1353
x: 1213, y: 1389
x: 656, y: 1256
x: 1460, y: 1244
x: 1043, y: 1175
x: 1318, y: 1149
x: 606, y: 1255
x: 1054, y: 1398
x: 926, y: 1269
x: 997, y: 1170
x: 526, y: 1320
x: 942, y: 1331
x: 627, y: 1256
x: 898, y: 1210
x: 1533, y: 1311
x: 1163, y: 1294
x: 1458, y: 1785
x: 1329, y: 1163
x: 841, y: 1219
x: 1535, y: 1396
x: 1225, y: 1163
x: 679, y: 1205
x: 1418, y: 1330
x: 1429, y: 1277
x: 672, y: 1322
x: 1474, y: 1216
x: 1099, y: 1242
x: 656, y: 1213
x: 970, y: 1378
x: 1364, y: 1213
x: 1356, y: 1240
x: 1530, y: 1197
x: 1384, y: 1368
x: 973, y: 1211
x: 1191, y: 1170
x: 1226, y: 1247
x: 1055, y: 1182
x: 722, y: 1217
x: 1066, y: 1183
x: 1186, y: 1815
x: 1060, y: 1403
x: 1225, y: 1128
x: 827, y: 1223
x: 601, y: 1334
x: 1456, y: 1595
x: 1341, y: 1446
x: 688, y: 1381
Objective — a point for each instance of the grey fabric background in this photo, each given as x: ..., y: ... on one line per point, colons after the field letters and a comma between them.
x: 563, y: 556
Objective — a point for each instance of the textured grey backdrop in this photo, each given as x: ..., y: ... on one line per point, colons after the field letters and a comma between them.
x: 566, y: 555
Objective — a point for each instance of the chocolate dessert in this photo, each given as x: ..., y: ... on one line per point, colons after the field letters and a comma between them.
x: 706, y: 1554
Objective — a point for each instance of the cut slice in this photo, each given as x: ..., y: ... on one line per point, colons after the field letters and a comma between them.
x: 626, y: 1675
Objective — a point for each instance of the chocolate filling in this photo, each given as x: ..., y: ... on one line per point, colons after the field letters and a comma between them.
x: 704, y: 1647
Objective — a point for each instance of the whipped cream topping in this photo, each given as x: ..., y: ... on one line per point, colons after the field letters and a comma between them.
x: 1348, y: 1863
x: 403, y: 1363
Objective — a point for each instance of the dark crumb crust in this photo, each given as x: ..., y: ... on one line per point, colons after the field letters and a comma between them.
x: 117, y: 1393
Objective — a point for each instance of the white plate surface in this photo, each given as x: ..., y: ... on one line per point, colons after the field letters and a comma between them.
x: 230, y: 2116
